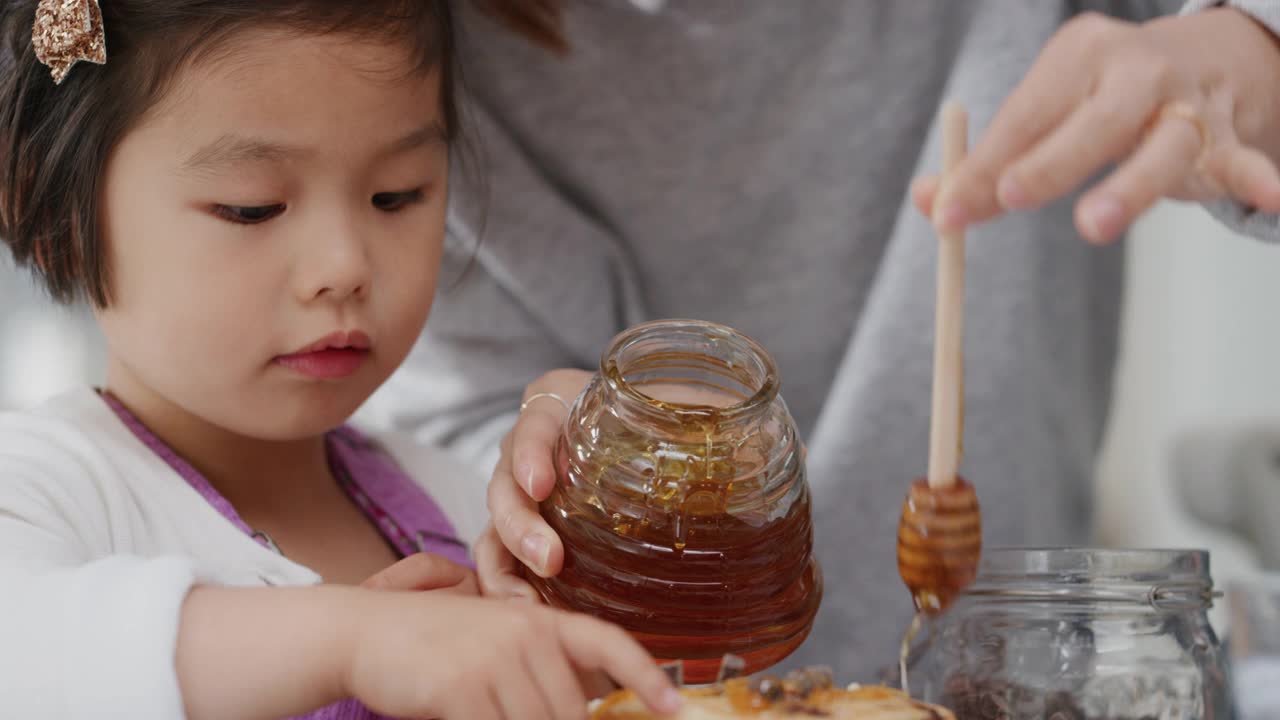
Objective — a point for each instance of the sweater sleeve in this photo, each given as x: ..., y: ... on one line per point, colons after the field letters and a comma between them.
x: 83, y: 633
x: 1241, y: 218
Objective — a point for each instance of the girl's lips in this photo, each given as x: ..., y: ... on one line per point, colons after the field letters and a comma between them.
x: 333, y: 357
x: 341, y: 340
x: 326, y: 364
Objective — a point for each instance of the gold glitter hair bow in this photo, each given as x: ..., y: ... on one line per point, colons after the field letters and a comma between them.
x: 66, y: 32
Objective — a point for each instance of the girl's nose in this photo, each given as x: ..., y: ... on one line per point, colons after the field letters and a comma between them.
x: 338, y: 265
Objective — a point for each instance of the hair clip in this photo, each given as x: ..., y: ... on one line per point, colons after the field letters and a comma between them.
x: 66, y: 32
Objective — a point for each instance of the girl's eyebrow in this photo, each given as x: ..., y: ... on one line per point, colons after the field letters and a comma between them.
x: 231, y: 149
x: 430, y: 134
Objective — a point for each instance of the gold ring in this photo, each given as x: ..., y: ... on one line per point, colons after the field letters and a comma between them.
x: 538, y: 396
x: 1181, y: 110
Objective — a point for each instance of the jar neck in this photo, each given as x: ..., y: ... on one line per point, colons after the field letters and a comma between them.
x: 1118, y: 580
x: 687, y: 377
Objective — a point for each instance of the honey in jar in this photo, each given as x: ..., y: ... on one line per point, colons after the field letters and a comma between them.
x: 682, y: 502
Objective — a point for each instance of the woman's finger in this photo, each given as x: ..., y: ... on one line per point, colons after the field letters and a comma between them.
x: 515, y: 517
x: 923, y: 191
x: 499, y: 570
x: 1057, y: 81
x: 1162, y: 162
x: 533, y: 446
x: 1106, y: 126
x: 1248, y: 175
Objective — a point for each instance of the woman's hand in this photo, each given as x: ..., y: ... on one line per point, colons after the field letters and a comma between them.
x: 1188, y: 106
x: 525, y: 476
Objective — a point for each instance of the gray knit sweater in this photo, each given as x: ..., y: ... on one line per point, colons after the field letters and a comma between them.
x: 747, y: 162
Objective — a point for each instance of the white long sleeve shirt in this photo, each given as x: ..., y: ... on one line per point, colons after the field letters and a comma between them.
x: 100, y: 541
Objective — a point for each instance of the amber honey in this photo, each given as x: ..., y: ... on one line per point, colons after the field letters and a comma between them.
x: 939, y: 543
x: 690, y: 579
x: 684, y: 513
x: 939, y: 548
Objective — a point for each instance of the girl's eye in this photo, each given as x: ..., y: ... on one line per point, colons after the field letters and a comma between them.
x: 247, y: 215
x: 391, y: 202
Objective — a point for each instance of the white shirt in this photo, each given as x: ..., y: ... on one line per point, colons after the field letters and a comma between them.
x: 100, y: 541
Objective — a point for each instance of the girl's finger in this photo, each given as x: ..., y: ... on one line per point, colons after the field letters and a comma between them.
x: 1105, y: 127
x: 1163, y: 161
x: 472, y: 708
x: 595, y: 684
x: 518, y: 696
x: 420, y: 571
x: 469, y: 586
x: 554, y: 678
x: 593, y: 644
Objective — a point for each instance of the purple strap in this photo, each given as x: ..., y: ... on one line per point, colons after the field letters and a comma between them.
x: 401, y: 510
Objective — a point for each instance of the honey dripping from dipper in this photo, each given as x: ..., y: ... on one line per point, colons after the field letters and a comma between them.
x: 939, y: 545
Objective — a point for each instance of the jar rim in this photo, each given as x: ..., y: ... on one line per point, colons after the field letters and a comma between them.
x: 763, y: 396
x: 1159, y: 579
x: 1095, y: 562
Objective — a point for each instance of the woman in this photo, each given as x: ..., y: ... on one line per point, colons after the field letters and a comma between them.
x: 750, y: 163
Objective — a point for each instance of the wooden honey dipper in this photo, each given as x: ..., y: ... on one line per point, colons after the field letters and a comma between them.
x: 940, y: 534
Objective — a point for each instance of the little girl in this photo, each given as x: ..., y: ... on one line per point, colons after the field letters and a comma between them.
x: 252, y: 194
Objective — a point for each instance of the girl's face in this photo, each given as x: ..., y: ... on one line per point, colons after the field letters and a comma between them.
x: 274, y: 230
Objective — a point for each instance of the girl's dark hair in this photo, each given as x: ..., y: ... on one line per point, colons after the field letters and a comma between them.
x: 537, y: 20
x: 55, y: 140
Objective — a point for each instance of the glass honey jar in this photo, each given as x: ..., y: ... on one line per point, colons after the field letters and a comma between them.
x: 1078, y: 634
x: 682, y: 502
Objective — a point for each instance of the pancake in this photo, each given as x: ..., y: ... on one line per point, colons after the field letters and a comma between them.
x: 803, y: 694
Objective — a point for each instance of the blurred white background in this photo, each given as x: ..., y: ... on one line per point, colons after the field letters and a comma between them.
x: 44, y: 348
x: 1199, y: 370
x: 1201, y: 362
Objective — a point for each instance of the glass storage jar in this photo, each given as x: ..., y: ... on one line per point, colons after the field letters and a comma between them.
x: 1078, y: 634
x: 682, y: 502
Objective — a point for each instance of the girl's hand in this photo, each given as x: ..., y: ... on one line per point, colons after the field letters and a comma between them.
x: 291, y: 650
x: 424, y: 571
x: 1188, y: 106
x: 525, y: 476
x: 443, y: 656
